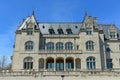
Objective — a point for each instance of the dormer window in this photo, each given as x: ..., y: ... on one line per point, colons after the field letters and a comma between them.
x: 29, y: 31
x: 76, y: 26
x: 60, y: 31
x: 51, y: 31
x: 43, y: 26
x: 36, y: 28
x: 69, y: 31
x: 112, y: 35
x: 88, y: 31
x: 112, y: 32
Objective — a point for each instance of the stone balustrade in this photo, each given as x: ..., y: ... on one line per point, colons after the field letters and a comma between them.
x: 59, y: 73
x: 62, y: 36
x: 60, y: 51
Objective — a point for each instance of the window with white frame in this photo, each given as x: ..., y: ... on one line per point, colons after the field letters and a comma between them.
x: 59, y: 46
x: 68, y: 46
x: 29, y: 31
x: 29, y: 45
x: 89, y: 45
x: 50, y: 46
x: 28, y: 63
x: 112, y: 35
x: 91, y: 64
x: 88, y: 31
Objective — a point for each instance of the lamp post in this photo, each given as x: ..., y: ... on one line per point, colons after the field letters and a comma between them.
x: 62, y: 76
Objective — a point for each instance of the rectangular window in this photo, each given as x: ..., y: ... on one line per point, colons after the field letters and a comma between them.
x: 77, y: 47
x: 109, y: 64
x: 29, y: 31
x: 89, y: 31
x: 107, y: 48
x: 112, y: 35
x: 60, y: 32
x: 51, y: 31
x: 119, y: 47
x: 119, y: 61
x: 69, y: 32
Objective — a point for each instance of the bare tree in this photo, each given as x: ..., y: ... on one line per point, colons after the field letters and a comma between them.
x: 0, y: 66
x: 4, y: 64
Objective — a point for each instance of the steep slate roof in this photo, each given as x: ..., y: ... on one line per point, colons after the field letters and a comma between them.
x: 74, y: 26
x: 106, y: 28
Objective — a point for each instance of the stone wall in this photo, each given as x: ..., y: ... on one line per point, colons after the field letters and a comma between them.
x: 81, y: 75
x: 60, y: 78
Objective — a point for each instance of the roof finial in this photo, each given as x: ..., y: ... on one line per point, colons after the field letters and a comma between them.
x: 33, y: 12
x: 86, y: 13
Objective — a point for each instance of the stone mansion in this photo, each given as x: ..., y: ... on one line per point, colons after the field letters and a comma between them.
x: 60, y: 47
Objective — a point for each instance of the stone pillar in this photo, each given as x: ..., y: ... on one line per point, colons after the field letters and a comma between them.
x: 105, y: 64
x: 54, y: 64
x: 44, y: 64
x: 64, y: 64
x: 35, y: 65
x: 74, y: 65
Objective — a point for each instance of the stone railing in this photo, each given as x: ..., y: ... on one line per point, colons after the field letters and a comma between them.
x: 62, y: 36
x: 60, y: 73
x: 60, y: 51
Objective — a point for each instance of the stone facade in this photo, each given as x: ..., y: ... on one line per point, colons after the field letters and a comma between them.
x: 66, y: 49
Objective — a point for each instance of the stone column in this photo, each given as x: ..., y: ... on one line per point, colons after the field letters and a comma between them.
x: 74, y: 65
x: 64, y: 65
x: 44, y: 64
x: 105, y: 64
x: 35, y: 65
x: 54, y: 64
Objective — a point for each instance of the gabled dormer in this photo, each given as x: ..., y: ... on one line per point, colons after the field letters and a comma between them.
x: 88, y: 24
x: 29, y: 24
x: 112, y: 33
x: 51, y: 30
x: 87, y: 21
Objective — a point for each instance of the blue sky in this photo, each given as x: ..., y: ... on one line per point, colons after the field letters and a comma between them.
x: 13, y: 11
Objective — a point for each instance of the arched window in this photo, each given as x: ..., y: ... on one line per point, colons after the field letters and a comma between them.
x: 59, y: 64
x: 69, y: 31
x: 68, y: 46
x: 89, y: 45
x: 60, y: 31
x: 59, y: 46
x: 28, y: 63
x: 51, y: 31
x: 69, y: 63
x: 50, y: 46
x: 91, y: 63
x: 29, y: 45
x: 50, y: 63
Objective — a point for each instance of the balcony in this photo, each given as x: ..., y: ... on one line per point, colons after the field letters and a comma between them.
x: 61, y: 36
x: 60, y: 51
